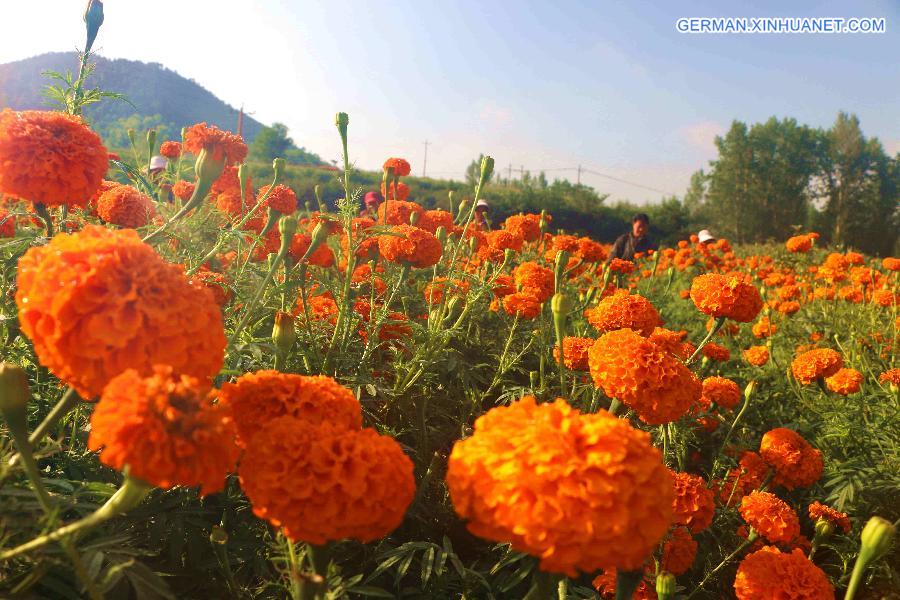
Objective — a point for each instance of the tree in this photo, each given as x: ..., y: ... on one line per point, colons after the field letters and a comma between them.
x: 860, y: 186
x: 115, y: 135
x: 759, y: 186
x: 273, y: 142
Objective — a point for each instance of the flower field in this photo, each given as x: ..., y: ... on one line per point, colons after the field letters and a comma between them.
x: 210, y: 390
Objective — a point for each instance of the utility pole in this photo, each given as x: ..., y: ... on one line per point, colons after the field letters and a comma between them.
x: 579, y: 175
x: 425, y: 160
x: 240, y: 127
x: 509, y: 174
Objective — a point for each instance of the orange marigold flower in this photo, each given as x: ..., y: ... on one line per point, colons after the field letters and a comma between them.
x: 575, y: 352
x: 257, y: 399
x: 694, y: 504
x: 727, y: 296
x: 434, y: 290
x: 816, y: 364
x: 796, y: 463
x: 170, y: 149
x: 605, y: 583
x: 769, y: 574
x: 817, y: 511
x: 885, y: 298
x: 891, y: 264
x: 891, y: 376
x: 7, y: 224
x: 844, y: 381
x: 764, y: 328
x: 322, y: 256
x: 520, y: 479
x: 501, y: 239
x: 321, y: 308
x: 757, y: 355
x: 590, y: 251
x: 281, y: 198
x: 397, y: 212
x: 622, y: 310
x: 770, y: 516
x: 528, y: 227
x: 99, y: 301
x: 750, y: 474
x: 401, y: 166
x: 617, y: 265
x: 223, y: 146
x: 165, y: 429
x: 503, y: 285
x: 714, y: 351
x: 49, y: 157
x: 432, y: 220
x: 125, y: 206
x: 216, y: 283
x: 724, y: 392
x: 799, y: 243
x: 679, y: 551
x: 532, y: 278
x: 410, y: 245
x: 399, y: 192
x: 672, y: 342
x: 183, y: 190
x: 658, y: 386
x: 322, y: 483
x: 524, y: 305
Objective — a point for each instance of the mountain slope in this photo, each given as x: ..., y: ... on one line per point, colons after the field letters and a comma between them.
x: 152, y: 88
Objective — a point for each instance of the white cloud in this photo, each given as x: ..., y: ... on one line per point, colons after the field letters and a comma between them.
x: 701, y: 136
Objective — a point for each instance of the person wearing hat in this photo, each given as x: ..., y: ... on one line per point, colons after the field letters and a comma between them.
x: 705, y: 237
x: 636, y: 240
x: 371, y: 202
x: 482, y: 219
x: 157, y: 168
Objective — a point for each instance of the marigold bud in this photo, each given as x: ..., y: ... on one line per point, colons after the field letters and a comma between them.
x: 208, y: 168
x: 14, y: 391
x: 342, y: 120
x: 876, y: 538
x: 132, y: 137
x: 218, y: 536
x: 487, y: 168
x: 283, y: 333
x: 278, y: 166
x: 243, y: 176
x: 441, y: 235
x: 151, y: 140
x: 288, y: 227
x: 413, y: 218
x: 463, y: 207
x: 824, y: 528
x: 93, y: 19
x: 749, y: 390
x: 665, y: 586
x: 560, y: 304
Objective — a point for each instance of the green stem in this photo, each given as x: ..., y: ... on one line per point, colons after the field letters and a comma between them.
x: 248, y: 312
x: 66, y: 403
x: 715, y: 328
x: 750, y: 539
x: 132, y: 492
x: 44, y: 214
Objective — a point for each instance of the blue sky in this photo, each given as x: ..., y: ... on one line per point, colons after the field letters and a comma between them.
x: 608, y: 85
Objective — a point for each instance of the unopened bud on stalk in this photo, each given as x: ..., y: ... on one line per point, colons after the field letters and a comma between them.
x: 183, y: 131
x: 750, y: 390
x: 93, y: 19
x: 151, y: 140
x: 441, y: 235
x: 323, y: 207
x: 287, y: 226
x: 341, y: 121
x: 534, y: 379
x: 463, y: 208
x: 544, y: 224
x: 876, y: 538
x: 218, y: 536
x: 665, y: 586
x: 508, y: 255
x: 278, y: 167
x: 132, y: 137
x: 14, y: 391
x: 413, y: 218
x: 824, y: 528
x: 560, y: 304
x: 559, y: 267
x: 309, y: 205
x: 283, y: 333
x: 208, y: 169
x: 487, y: 168
x: 243, y: 176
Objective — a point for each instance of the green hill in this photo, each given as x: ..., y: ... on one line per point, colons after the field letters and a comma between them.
x: 150, y: 87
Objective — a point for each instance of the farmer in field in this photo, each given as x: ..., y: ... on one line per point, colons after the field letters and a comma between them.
x: 636, y: 240
x: 371, y: 202
x: 158, y: 165
x: 705, y: 238
x: 482, y: 218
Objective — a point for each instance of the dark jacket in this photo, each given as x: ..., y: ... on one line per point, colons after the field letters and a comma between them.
x: 627, y: 246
